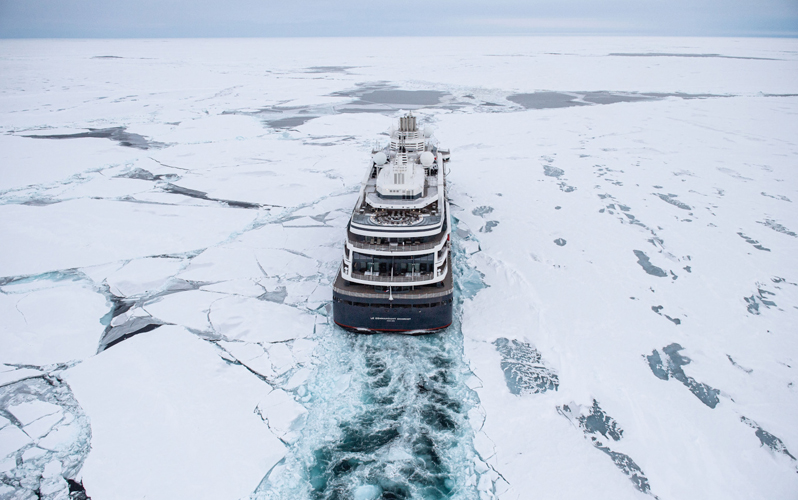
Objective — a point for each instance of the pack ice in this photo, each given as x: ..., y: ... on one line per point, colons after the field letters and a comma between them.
x: 172, y: 215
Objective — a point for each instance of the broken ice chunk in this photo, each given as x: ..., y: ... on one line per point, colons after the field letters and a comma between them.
x: 12, y: 439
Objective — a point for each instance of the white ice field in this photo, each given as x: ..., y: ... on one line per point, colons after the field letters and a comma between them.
x: 172, y: 214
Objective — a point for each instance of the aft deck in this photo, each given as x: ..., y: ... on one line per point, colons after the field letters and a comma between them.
x: 368, y: 291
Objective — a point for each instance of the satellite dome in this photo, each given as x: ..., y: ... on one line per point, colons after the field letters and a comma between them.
x: 427, y: 159
x: 380, y: 158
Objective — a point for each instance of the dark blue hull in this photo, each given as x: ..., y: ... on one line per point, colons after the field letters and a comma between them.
x: 401, y: 315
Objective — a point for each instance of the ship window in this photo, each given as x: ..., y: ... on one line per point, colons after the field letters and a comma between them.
x: 424, y: 262
x: 361, y: 263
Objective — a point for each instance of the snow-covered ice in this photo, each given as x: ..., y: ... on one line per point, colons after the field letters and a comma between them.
x: 184, y: 419
x: 172, y: 215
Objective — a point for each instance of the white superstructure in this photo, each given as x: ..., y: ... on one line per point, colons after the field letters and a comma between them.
x: 399, y: 232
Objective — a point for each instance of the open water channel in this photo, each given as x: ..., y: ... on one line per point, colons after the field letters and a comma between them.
x: 388, y: 417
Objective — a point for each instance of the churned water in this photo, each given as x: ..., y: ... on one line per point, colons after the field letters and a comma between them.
x: 387, y: 417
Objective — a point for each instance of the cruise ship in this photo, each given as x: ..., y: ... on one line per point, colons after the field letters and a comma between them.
x: 396, y: 274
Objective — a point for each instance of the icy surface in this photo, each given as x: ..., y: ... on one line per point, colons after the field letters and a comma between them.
x: 172, y: 216
x: 185, y: 419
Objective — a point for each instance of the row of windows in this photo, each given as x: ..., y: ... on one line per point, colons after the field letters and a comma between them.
x: 444, y: 302
x: 386, y: 265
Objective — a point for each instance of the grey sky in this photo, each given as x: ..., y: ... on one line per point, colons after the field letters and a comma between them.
x: 270, y: 18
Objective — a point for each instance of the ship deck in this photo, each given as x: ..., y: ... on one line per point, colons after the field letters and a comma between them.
x: 343, y: 287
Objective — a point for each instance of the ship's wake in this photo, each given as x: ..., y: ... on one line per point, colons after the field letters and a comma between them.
x: 388, y: 418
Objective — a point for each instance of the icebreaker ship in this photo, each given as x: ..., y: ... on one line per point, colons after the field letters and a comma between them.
x: 396, y: 274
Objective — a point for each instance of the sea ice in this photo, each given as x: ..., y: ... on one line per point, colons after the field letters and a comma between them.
x: 50, y: 325
x: 225, y: 234
x: 182, y: 418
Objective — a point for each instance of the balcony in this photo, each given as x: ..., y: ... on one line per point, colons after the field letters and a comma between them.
x: 406, y: 278
x: 361, y: 290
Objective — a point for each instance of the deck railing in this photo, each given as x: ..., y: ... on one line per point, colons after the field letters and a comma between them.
x: 414, y: 277
x: 402, y: 295
x: 393, y: 248
x: 394, y: 279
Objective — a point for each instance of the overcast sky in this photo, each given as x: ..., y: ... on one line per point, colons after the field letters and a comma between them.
x: 273, y: 18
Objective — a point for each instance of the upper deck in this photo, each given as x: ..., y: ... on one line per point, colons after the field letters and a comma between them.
x: 402, y: 194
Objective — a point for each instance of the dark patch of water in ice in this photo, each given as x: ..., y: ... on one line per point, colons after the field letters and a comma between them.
x: 671, y: 198
x: 778, y: 197
x: 611, y: 98
x: 760, y: 297
x: 363, y: 88
x: 401, y: 97
x: 551, y: 171
x: 560, y: 242
x: 523, y: 368
x: 192, y: 193
x: 328, y: 69
x: 597, y: 421
x: 593, y: 422
x: 628, y: 467
x: 753, y: 242
x: 767, y: 439
x: 689, y: 55
x: 647, y: 266
x: 545, y: 100
x: 671, y: 366
x: 777, y: 227
x: 482, y: 211
x: 118, y: 134
x: 753, y: 305
x: 658, y: 309
x: 489, y: 225
x: 289, y: 122
x: 675, y: 321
